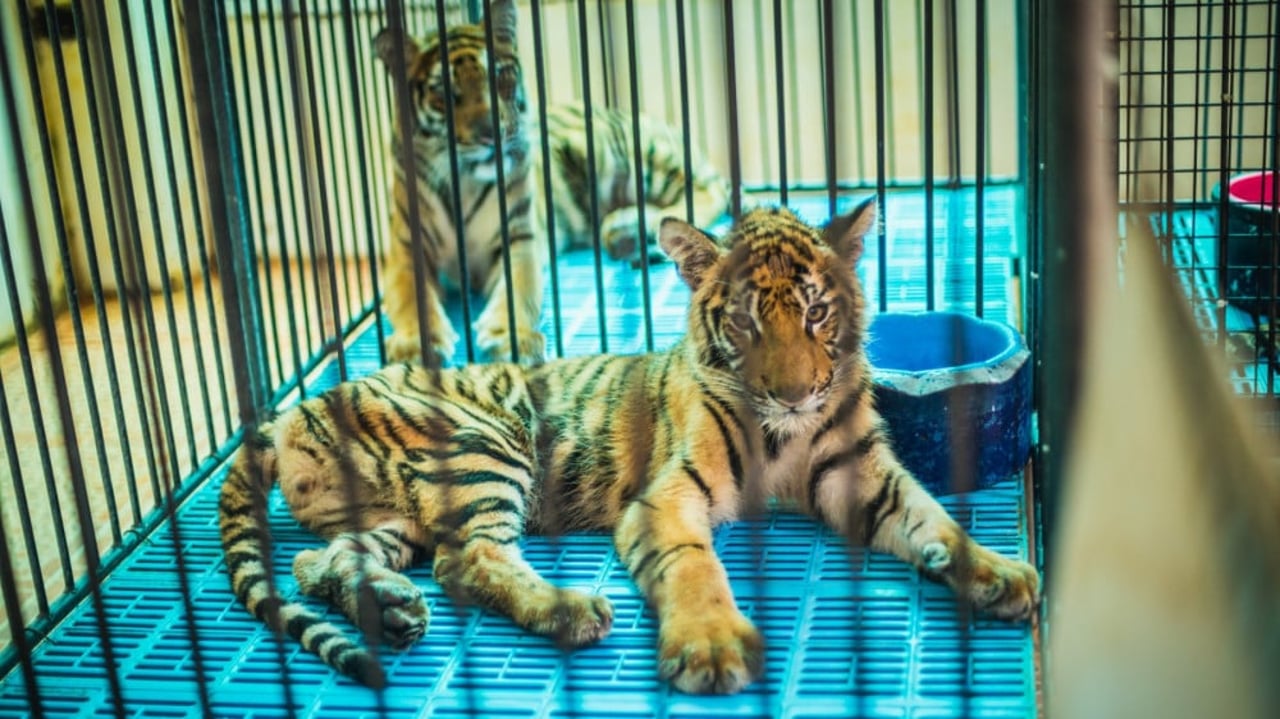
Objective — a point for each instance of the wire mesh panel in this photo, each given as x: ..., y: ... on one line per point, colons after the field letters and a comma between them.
x: 1196, y: 157
x: 222, y: 210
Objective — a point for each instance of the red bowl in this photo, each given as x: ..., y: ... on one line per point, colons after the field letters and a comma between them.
x: 1252, y: 226
x: 1255, y: 189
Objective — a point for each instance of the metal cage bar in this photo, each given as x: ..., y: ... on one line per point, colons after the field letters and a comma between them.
x: 263, y: 147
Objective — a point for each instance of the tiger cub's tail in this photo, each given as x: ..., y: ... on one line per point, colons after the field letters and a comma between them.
x: 246, y: 546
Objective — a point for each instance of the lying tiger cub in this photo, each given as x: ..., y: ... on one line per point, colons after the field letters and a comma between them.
x: 767, y: 395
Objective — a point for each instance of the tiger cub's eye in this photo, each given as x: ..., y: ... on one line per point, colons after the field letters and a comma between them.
x: 741, y: 320
x: 816, y: 313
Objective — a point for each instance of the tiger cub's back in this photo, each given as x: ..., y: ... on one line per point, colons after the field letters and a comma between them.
x: 612, y: 147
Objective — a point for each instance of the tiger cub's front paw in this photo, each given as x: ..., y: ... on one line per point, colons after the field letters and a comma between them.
x: 710, y: 655
x: 493, y: 339
x: 575, y: 620
x: 404, y: 347
x: 1005, y: 588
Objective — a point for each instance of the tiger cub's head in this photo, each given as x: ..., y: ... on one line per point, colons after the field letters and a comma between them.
x: 476, y: 121
x: 776, y: 304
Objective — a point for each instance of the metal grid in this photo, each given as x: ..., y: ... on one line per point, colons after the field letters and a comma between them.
x: 294, y: 204
x: 861, y: 635
x: 1195, y: 108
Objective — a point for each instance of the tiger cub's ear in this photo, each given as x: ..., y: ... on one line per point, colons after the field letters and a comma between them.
x: 845, y: 233
x: 502, y: 16
x: 384, y: 45
x: 694, y: 253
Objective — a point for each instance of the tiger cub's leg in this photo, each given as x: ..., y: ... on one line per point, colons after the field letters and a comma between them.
x: 491, y: 572
x: 493, y: 327
x: 705, y: 644
x: 359, y: 574
x: 401, y: 297
x: 868, y: 496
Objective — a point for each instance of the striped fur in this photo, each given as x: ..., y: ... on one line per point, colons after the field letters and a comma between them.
x: 767, y: 395
x: 476, y: 123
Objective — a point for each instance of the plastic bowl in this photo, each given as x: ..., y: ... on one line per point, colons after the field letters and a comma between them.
x: 927, y: 366
x: 1252, y: 221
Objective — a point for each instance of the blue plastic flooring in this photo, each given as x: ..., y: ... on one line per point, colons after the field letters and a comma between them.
x: 848, y: 633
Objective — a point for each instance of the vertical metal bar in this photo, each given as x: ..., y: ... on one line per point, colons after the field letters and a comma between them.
x: 304, y: 101
x: 686, y: 131
x: 980, y: 155
x: 43, y: 298
x: 1224, y: 166
x: 499, y: 162
x: 28, y: 364
x: 197, y: 217
x: 664, y: 52
x: 286, y: 269
x: 298, y: 208
x: 1242, y: 63
x: 167, y: 152
x: 153, y: 335
x: 930, y: 266
x: 544, y: 137
x: 193, y: 635
x: 359, y: 96
x: 829, y: 100
x: 584, y: 61
x: 104, y: 113
x: 637, y: 163
x: 9, y: 589
x: 761, y: 71
x: 336, y: 149
x: 953, y: 94
x: 859, y: 126
x: 34, y: 564
x: 271, y: 320
x: 779, y: 83
x: 339, y: 147
x: 223, y: 172
x: 608, y: 66
x: 1273, y: 107
x: 223, y: 175
x: 375, y: 97
x: 700, y: 81
x: 891, y: 128
x: 1168, y: 171
x: 731, y: 76
x: 963, y: 473
x: 60, y: 229
x: 882, y: 259
x: 1137, y: 95
x: 1076, y: 188
x: 459, y: 224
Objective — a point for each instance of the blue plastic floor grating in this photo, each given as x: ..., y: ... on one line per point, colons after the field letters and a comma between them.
x: 849, y: 633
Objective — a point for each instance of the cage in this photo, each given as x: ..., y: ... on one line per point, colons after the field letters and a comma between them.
x: 195, y: 226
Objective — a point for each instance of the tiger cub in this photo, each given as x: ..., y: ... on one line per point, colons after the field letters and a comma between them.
x: 479, y: 128
x: 767, y: 395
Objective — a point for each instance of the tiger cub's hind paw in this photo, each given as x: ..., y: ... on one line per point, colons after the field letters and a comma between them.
x: 379, y: 600
x: 396, y: 609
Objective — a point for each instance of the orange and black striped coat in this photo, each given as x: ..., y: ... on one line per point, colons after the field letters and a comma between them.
x: 768, y: 395
x: 488, y: 116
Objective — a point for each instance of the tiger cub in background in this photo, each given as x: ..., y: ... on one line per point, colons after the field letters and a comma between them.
x: 477, y: 134
x: 767, y: 395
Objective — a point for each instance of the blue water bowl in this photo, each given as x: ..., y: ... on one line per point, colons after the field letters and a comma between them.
x: 929, y: 367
